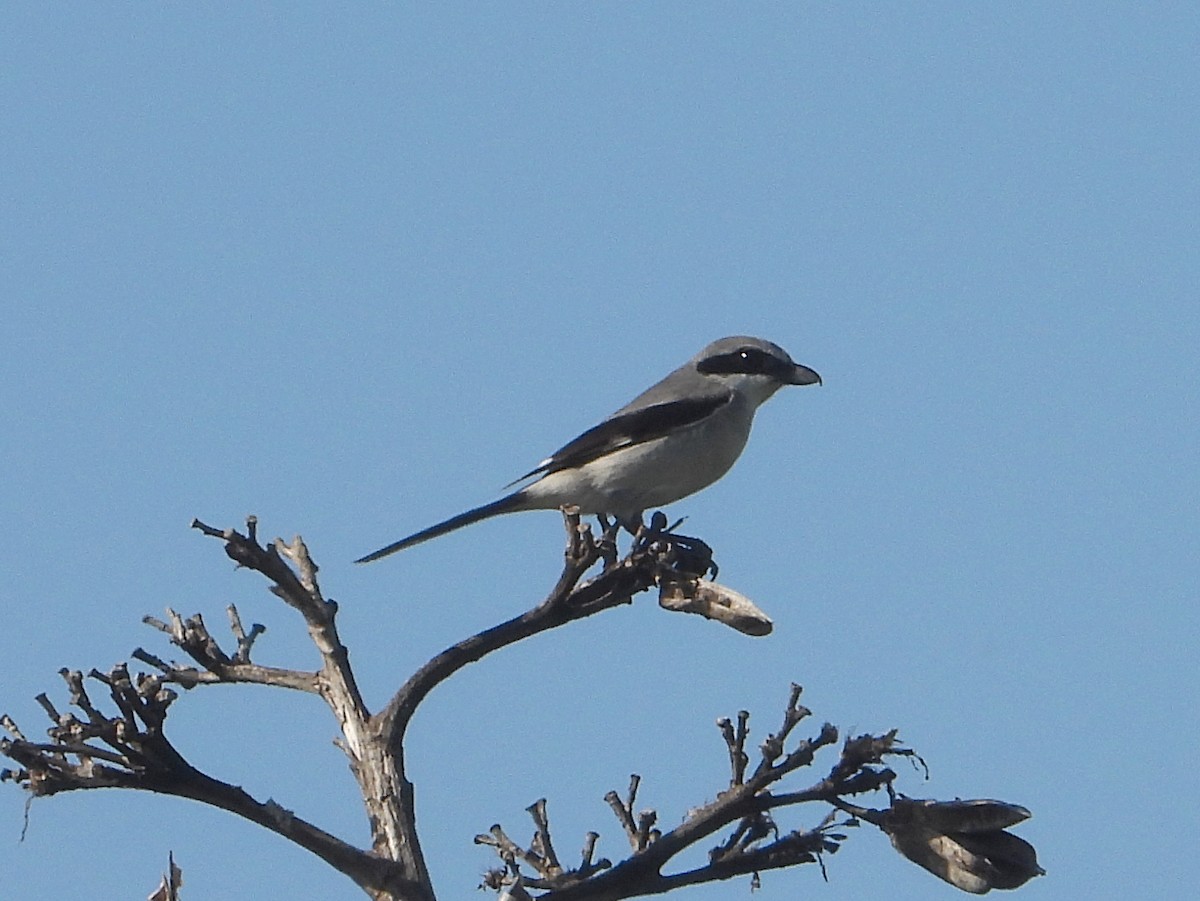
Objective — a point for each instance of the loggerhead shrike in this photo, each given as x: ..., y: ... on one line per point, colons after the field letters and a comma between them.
x: 675, y: 438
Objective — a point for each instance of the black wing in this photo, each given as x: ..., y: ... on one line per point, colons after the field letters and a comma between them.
x: 628, y: 429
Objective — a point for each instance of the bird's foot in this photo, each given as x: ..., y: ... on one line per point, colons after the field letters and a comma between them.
x: 686, y: 554
x: 606, y: 544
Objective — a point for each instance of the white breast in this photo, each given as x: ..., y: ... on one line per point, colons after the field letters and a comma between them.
x: 652, y: 474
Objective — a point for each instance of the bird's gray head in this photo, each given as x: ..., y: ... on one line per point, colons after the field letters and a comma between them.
x: 753, y: 365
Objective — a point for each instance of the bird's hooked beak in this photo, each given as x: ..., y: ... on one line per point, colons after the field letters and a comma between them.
x: 802, y: 375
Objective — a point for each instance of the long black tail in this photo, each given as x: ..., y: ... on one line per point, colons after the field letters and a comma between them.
x: 504, y: 505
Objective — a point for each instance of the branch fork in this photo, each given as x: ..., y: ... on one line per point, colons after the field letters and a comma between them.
x: 964, y: 843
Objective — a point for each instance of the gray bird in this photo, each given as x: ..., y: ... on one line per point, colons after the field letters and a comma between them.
x: 670, y: 441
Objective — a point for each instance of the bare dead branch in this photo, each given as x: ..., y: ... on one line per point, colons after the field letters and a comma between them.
x: 9, y: 725
x: 191, y: 635
x: 245, y: 640
x: 130, y: 751
x: 541, y: 844
x: 508, y: 850
x: 773, y: 746
x: 623, y: 810
x: 550, y: 873
x: 755, y: 844
x: 735, y: 743
x: 964, y: 843
x: 586, y: 864
x: 46, y: 705
x: 570, y: 599
x: 172, y: 882
x: 377, y: 765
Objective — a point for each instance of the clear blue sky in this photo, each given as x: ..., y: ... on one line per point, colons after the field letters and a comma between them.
x: 352, y: 268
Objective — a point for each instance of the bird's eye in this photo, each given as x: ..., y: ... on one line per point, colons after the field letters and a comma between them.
x: 754, y: 361
x: 746, y: 360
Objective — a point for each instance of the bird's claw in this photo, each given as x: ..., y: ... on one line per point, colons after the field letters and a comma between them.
x: 606, y: 544
x: 686, y: 554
